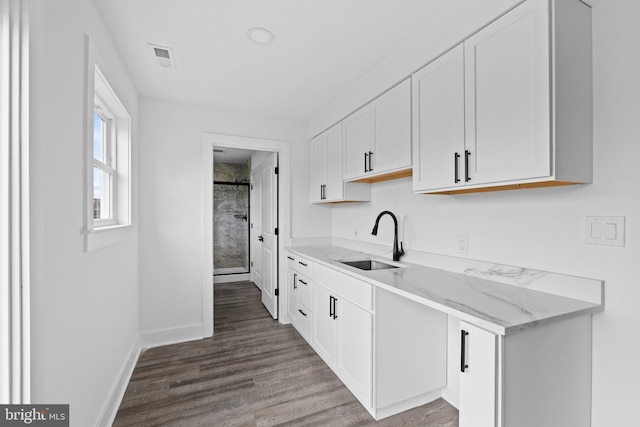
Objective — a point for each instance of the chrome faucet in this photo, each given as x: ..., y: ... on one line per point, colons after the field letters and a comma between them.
x: 397, y: 252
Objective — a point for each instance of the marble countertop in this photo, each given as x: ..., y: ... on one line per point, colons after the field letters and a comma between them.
x: 497, y: 307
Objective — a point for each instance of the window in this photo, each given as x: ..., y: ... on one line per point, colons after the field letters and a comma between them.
x: 108, y: 160
x: 104, y: 165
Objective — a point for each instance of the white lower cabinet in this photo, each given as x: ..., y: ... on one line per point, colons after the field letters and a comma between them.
x: 537, y: 377
x: 299, y: 294
x: 343, y: 336
x: 478, y: 376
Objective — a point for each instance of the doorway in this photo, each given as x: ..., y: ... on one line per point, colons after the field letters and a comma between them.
x: 231, y: 215
x: 282, y: 209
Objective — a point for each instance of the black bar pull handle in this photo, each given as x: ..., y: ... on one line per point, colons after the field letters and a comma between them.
x: 303, y: 313
x: 456, y: 160
x: 302, y: 263
x: 366, y: 162
x: 467, y: 178
x: 295, y: 280
x: 335, y: 314
x: 370, y: 161
x: 291, y: 258
x: 331, y: 306
x: 302, y: 281
x: 463, y: 356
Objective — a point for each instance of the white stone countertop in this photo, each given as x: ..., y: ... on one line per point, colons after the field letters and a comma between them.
x: 497, y: 307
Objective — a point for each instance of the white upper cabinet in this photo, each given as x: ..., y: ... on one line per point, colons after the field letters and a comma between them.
x: 377, y: 137
x: 438, y: 110
x: 511, y: 106
x: 328, y: 185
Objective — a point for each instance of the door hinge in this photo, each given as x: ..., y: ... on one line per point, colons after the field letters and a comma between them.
x: 277, y: 292
x: 277, y: 170
x: 252, y: 186
x: 251, y: 263
x: 276, y: 231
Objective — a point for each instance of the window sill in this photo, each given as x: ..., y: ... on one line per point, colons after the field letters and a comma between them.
x: 105, y: 236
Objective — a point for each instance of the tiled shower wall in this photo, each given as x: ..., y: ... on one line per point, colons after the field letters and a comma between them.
x: 231, y: 219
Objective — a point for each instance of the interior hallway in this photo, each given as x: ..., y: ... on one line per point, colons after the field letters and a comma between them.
x: 253, y: 372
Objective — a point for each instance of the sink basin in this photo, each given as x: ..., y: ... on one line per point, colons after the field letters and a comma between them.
x: 369, y: 264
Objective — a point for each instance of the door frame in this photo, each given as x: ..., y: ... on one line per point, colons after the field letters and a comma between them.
x: 283, y: 148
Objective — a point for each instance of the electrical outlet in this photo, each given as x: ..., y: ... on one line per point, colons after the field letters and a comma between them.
x: 462, y: 242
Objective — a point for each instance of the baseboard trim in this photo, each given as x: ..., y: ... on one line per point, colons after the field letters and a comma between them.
x: 411, y: 403
x: 169, y: 336
x: 110, y: 408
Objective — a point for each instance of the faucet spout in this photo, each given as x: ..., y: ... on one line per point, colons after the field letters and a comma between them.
x: 397, y: 251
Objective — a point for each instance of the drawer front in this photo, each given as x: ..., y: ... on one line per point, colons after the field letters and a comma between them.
x: 303, y: 266
x: 292, y: 260
x: 355, y: 290
x: 304, y: 320
x: 304, y: 290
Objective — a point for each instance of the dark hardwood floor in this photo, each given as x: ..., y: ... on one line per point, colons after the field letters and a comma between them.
x: 253, y: 372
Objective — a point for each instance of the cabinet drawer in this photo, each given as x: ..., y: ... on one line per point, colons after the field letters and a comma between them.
x: 302, y: 265
x: 303, y: 323
x: 304, y: 290
x: 355, y: 290
x: 292, y: 260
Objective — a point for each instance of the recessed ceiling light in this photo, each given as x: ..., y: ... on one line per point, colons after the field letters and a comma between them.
x: 260, y: 35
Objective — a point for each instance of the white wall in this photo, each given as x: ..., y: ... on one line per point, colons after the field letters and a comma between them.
x: 172, y: 210
x: 84, y: 305
x: 543, y: 228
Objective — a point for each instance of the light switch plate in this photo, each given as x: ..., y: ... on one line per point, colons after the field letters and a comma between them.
x: 604, y: 230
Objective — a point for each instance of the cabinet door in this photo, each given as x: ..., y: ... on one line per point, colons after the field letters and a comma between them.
x: 357, y: 142
x: 507, y: 93
x: 324, y: 325
x: 292, y: 296
x: 478, y: 382
x: 334, y: 184
x: 319, y: 166
x: 438, y: 123
x: 355, y: 346
x: 392, y: 129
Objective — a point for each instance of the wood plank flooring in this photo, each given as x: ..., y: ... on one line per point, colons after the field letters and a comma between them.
x: 253, y: 372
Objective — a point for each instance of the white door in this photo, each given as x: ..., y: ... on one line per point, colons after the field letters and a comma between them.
x: 357, y: 133
x: 438, y: 120
x: 478, y: 377
x: 324, y: 324
x: 319, y: 165
x: 265, y: 239
x: 507, y: 91
x: 334, y: 184
x: 392, y: 129
x: 355, y: 346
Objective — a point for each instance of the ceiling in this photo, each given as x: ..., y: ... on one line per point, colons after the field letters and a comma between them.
x: 321, y: 48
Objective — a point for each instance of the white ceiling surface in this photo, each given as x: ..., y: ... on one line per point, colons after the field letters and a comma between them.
x: 321, y: 48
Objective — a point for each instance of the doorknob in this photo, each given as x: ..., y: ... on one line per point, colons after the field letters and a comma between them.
x: 260, y: 238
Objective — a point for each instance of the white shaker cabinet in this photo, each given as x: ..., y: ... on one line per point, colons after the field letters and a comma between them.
x: 328, y: 185
x: 438, y: 108
x: 292, y: 290
x: 478, y: 377
x: 521, y: 114
x: 299, y: 307
x: 536, y: 377
x: 343, y: 336
x: 377, y: 137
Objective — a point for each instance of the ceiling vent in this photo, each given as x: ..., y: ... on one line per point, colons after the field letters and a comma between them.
x: 164, y: 56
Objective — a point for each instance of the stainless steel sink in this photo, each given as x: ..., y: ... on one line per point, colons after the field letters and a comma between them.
x: 369, y: 264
